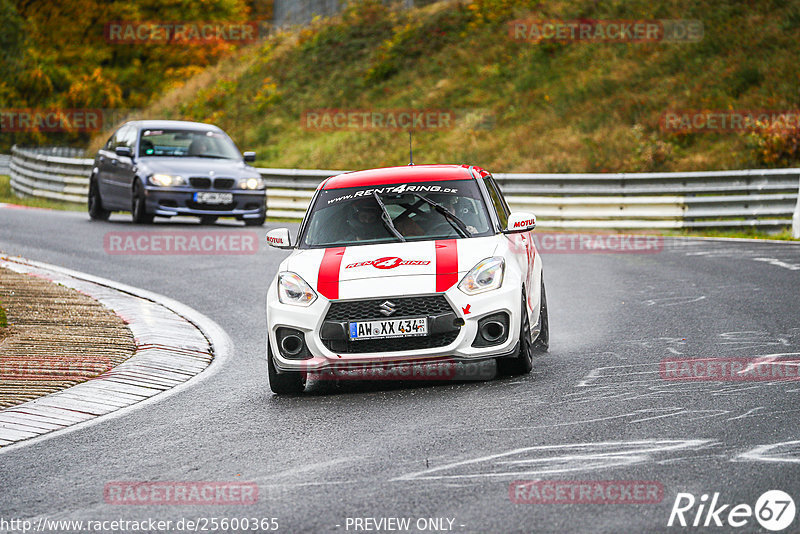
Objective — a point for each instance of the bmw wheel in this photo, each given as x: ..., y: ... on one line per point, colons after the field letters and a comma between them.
x: 96, y: 211
x: 138, y: 206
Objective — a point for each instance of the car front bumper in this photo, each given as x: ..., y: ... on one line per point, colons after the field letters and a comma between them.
x: 169, y: 202
x: 471, y: 309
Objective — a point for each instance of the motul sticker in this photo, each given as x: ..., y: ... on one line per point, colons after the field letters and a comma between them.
x: 387, y: 263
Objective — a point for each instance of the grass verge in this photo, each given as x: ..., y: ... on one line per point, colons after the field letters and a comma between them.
x: 7, y: 196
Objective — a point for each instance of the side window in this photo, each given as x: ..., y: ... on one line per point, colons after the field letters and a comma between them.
x: 112, y: 141
x: 127, y: 137
x: 497, y: 200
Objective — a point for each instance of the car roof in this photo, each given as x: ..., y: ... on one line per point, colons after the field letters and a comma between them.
x: 404, y: 174
x: 165, y: 125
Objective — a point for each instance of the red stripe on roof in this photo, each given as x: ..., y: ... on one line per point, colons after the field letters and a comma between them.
x: 399, y: 175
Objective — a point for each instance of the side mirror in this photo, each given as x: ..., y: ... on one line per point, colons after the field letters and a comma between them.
x: 124, y: 151
x: 519, y: 222
x: 279, y: 238
x: 249, y: 157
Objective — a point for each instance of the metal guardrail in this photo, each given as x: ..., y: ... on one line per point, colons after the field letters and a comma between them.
x: 5, y: 161
x: 765, y: 198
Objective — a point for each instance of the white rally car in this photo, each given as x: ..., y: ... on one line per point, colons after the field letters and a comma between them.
x: 405, y: 264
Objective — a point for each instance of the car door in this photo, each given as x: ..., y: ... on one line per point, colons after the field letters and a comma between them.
x: 118, y: 186
x: 104, y: 175
x: 126, y: 167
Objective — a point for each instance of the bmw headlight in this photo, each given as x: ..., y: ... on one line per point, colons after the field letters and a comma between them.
x: 292, y: 289
x: 485, y: 276
x: 251, y: 183
x: 167, y: 180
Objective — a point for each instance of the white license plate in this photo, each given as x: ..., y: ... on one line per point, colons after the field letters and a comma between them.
x: 213, y: 198
x: 389, y: 328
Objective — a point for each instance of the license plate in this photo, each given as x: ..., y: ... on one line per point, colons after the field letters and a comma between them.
x: 213, y: 198
x: 388, y: 328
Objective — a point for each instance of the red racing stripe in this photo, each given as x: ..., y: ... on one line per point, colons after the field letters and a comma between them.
x: 328, y: 278
x: 446, y: 264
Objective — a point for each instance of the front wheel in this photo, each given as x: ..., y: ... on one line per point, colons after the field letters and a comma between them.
x: 542, y: 342
x: 286, y: 383
x: 139, y: 207
x: 95, y: 203
x: 522, y: 363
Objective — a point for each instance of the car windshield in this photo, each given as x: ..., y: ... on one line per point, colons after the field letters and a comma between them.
x: 187, y: 144
x: 354, y: 216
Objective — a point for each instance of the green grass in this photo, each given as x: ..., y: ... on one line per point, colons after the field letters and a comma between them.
x: 3, y: 318
x: 554, y: 107
x: 749, y: 233
x: 7, y: 196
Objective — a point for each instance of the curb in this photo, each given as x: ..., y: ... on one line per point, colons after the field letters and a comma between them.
x: 176, y: 347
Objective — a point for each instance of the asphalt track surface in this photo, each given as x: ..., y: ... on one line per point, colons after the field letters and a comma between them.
x: 595, y: 407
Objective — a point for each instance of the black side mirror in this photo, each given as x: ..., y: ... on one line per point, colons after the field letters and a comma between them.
x: 249, y: 157
x: 124, y: 151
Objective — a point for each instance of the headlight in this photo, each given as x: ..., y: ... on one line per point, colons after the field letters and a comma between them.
x: 251, y: 183
x: 485, y: 276
x: 167, y: 180
x: 294, y: 290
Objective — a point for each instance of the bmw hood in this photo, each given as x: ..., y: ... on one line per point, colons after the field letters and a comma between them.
x: 389, y: 269
x: 197, y: 167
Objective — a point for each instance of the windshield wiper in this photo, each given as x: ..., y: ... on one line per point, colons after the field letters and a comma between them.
x: 454, y: 221
x: 386, y: 218
x: 212, y: 156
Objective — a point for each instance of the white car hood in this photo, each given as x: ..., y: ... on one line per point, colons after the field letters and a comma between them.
x: 389, y: 269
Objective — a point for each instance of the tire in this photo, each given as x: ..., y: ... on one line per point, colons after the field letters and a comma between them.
x: 95, y: 203
x: 286, y: 383
x: 208, y: 219
x: 542, y: 342
x: 256, y: 222
x: 522, y: 362
x: 138, y: 206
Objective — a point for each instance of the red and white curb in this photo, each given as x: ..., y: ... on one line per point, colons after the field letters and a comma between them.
x: 174, y: 344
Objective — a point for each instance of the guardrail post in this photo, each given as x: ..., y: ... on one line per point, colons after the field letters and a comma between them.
x: 796, y: 216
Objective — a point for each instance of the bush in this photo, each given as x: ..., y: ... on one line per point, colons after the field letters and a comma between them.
x: 775, y: 144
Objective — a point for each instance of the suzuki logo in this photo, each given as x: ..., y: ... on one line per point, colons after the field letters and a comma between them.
x: 387, y: 308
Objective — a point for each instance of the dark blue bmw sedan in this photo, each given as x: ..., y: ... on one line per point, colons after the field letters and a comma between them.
x: 166, y: 168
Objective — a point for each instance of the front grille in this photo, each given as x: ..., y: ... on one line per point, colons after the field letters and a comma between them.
x: 200, y: 182
x: 360, y: 310
x: 223, y: 183
x: 356, y: 310
x: 390, y: 345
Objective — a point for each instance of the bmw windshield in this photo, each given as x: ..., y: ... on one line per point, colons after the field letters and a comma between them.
x: 377, y: 214
x: 187, y: 144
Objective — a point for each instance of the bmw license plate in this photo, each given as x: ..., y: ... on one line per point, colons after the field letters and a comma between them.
x: 389, y: 328
x: 205, y: 197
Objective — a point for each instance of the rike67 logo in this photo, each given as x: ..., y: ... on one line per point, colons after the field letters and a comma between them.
x: 774, y: 510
